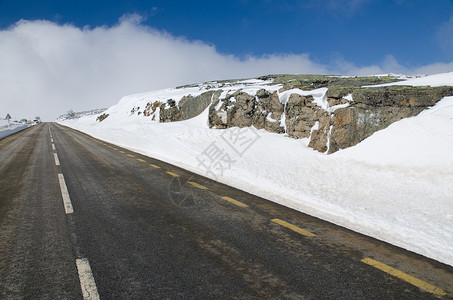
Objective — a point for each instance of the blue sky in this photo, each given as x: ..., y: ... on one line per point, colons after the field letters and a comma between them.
x: 87, y: 54
x: 361, y: 31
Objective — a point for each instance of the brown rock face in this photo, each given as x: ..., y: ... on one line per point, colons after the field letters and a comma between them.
x: 301, y: 116
x: 401, y: 96
x: 343, y: 125
x: 241, y: 108
x: 191, y: 107
x: 319, y: 139
x: 268, y: 112
x: 374, y: 109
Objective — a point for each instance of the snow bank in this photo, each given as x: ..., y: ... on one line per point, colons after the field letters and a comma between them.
x: 443, y: 79
x: 424, y: 141
x: 396, y: 186
x: 6, y: 129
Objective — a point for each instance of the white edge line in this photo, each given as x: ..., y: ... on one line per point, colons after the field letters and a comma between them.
x: 65, y: 194
x: 87, y: 283
x: 57, y: 161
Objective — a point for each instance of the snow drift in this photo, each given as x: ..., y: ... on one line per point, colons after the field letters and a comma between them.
x: 396, y: 185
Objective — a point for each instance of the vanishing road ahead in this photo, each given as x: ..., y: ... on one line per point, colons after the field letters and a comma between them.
x: 81, y: 218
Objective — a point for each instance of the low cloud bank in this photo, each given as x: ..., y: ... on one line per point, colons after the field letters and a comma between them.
x: 49, y: 68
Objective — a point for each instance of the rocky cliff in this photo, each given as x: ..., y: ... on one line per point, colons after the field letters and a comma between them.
x: 333, y: 113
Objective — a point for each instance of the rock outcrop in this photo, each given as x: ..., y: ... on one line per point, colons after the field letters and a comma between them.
x: 263, y: 111
x: 374, y: 109
x: 344, y: 114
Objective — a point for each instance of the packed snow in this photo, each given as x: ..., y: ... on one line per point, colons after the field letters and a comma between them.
x: 8, y: 128
x: 443, y: 79
x: 396, y: 186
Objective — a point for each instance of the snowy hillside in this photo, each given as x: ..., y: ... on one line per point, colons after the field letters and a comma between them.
x: 396, y: 185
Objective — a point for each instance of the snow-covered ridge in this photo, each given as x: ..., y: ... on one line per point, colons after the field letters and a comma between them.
x: 249, y: 86
x: 443, y: 79
x: 139, y: 101
x: 76, y: 115
x: 401, y: 194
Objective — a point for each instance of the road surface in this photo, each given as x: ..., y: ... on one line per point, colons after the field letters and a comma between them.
x: 82, y: 218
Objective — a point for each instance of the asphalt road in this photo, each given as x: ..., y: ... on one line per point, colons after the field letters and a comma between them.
x: 83, y: 218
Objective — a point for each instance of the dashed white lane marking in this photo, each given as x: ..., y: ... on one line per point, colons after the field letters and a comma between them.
x: 65, y: 194
x: 51, y: 139
x: 53, y: 147
x: 87, y: 283
x: 57, y: 161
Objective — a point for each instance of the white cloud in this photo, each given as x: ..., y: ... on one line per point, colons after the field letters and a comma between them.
x: 48, y: 68
x: 434, y: 68
x: 388, y: 65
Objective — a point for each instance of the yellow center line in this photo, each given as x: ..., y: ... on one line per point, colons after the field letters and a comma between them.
x: 197, y: 185
x: 293, y: 227
x: 122, y: 151
x: 235, y: 202
x: 139, y: 159
x: 130, y: 155
x: 154, y: 166
x: 172, y: 174
x: 115, y: 148
x: 10, y: 139
x: 406, y: 277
